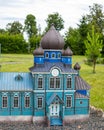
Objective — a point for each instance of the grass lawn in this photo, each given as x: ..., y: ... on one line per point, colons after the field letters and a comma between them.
x: 21, y: 63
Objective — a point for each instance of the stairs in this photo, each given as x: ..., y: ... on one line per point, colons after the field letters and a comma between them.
x: 55, y: 121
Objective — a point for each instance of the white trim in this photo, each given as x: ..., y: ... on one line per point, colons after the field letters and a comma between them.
x: 71, y: 101
x: 42, y: 82
x: 52, y: 90
x: 50, y: 71
x: 2, y: 101
x: 25, y: 101
x: 18, y: 102
x: 45, y: 55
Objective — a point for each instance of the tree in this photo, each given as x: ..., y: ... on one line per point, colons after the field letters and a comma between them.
x: 14, y: 28
x: 55, y: 19
x: 13, y: 43
x: 93, y: 47
x: 30, y: 25
x: 72, y: 39
x: 34, y: 42
x: 96, y: 17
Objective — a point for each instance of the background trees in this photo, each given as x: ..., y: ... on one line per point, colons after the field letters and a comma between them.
x: 30, y: 25
x: 55, y: 19
x: 14, y: 28
x: 74, y: 37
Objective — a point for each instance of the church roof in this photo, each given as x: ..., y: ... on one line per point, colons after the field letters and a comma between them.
x: 15, y: 81
x: 80, y: 84
x: 52, y: 40
x: 67, y: 52
x: 38, y: 51
x: 77, y: 66
x: 47, y: 66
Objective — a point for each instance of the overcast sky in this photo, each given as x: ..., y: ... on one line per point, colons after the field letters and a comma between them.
x: 70, y: 10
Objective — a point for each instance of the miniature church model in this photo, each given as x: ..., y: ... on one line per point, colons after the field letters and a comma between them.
x: 52, y: 92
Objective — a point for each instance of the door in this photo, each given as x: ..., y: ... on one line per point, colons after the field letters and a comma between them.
x: 54, y: 109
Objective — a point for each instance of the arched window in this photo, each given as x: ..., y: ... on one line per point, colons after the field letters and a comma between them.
x: 46, y: 55
x: 59, y: 55
x: 53, y: 55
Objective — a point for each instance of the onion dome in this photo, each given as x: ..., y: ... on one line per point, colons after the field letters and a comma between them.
x: 77, y: 66
x: 67, y: 52
x: 52, y: 40
x: 38, y: 51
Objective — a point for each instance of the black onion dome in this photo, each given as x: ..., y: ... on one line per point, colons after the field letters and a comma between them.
x: 52, y: 40
x: 38, y: 51
x: 77, y: 66
x: 67, y: 52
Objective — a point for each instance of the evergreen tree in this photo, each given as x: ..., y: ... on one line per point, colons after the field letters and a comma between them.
x: 93, y: 47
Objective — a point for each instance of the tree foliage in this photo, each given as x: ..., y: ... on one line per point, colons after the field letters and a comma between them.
x: 30, y: 25
x: 72, y: 39
x: 34, y: 42
x: 93, y: 47
x: 13, y: 43
x: 55, y: 19
x: 14, y: 28
x: 96, y: 17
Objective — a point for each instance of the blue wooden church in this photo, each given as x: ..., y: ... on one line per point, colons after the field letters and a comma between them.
x: 52, y: 92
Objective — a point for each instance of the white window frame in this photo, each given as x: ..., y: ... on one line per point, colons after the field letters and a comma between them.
x: 14, y: 101
x: 54, y: 55
x: 67, y: 85
x: 38, y: 105
x: 3, y: 104
x: 47, y: 55
x: 68, y: 106
x: 42, y: 82
x: 59, y: 55
x: 54, y: 82
x: 27, y: 106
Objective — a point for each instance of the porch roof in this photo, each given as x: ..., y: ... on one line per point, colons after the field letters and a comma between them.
x: 51, y: 99
x: 78, y: 95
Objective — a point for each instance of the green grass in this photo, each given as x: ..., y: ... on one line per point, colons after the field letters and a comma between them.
x: 21, y: 63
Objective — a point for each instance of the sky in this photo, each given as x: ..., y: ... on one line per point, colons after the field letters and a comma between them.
x: 70, y: 10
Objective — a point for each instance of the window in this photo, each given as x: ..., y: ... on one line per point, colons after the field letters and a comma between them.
x: 40, y: 82
x: 59, y: 55
x: 51, y: 82
x: 27, y: 101
x: 54, y: 82
x: 80, y: 102
x: 69, y: 82
x: 39, y: 102
x: 57, y: 82
x: 68, y: 101
x: 53, y: 55
x: 46, y: 55
x: 4, y: 101
x: 16, y: 101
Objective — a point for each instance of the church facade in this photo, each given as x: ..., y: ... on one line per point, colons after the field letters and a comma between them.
x: 52, y: 92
